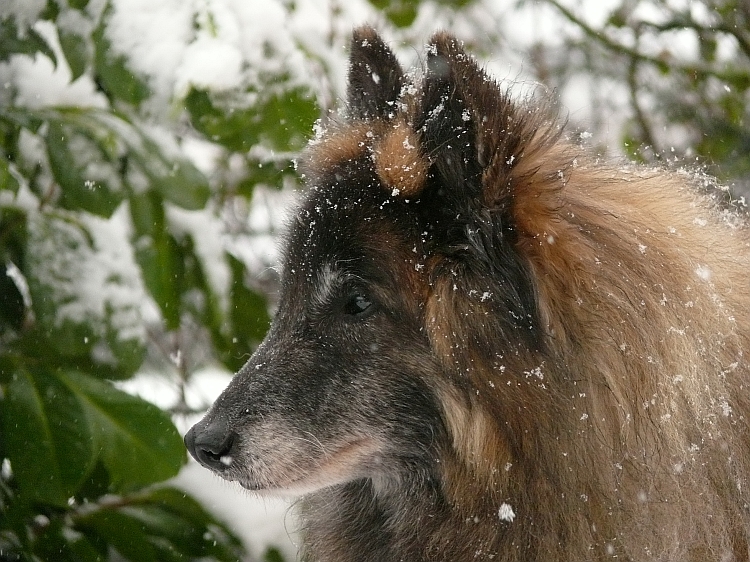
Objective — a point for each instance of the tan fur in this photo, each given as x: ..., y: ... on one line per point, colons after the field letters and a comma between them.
x: 339, y: 144
x: 644, y: 410
x: 398, y: 161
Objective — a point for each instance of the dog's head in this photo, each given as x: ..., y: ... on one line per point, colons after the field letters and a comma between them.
x: 402, y: 285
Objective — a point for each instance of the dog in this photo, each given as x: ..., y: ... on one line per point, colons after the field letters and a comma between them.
x: 491, y: 345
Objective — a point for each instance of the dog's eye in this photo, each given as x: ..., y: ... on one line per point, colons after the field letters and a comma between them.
x: 357, y: 304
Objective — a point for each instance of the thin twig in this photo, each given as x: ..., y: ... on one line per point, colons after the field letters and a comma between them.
x: 613, y: 45
x: 640, y: 116
x: 720, y: 27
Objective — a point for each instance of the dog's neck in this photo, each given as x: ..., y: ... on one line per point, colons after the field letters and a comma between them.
x: 414, y: 521
x: 361, y: 522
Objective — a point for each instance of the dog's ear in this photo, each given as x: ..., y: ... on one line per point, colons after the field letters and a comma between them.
x: 471, y: 133
x: 448, y: 120
x: 482, y: 146
x: 375, y: 76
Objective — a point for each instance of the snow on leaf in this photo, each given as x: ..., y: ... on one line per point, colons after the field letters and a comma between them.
x: 85, y: 286
x: 207, y: 233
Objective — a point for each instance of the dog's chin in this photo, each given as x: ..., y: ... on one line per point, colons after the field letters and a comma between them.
x: 353, y: 461
x: 290, y: 491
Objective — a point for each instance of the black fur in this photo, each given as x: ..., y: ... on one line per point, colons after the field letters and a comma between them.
x: 375, y: 77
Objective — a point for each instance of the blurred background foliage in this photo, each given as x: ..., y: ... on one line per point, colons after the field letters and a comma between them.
x: 684, y: 72
x: 128, y: 186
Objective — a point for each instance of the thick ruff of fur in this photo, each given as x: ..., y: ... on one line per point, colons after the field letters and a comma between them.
x: 491, y: 346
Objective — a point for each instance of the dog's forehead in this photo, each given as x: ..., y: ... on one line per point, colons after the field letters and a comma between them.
x: 336, y: 227
x: 351, y: 223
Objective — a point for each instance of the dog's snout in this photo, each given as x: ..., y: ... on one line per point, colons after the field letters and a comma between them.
x: 211, y: 445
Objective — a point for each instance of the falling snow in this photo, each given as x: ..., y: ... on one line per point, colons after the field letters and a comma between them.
x: 506, y: 513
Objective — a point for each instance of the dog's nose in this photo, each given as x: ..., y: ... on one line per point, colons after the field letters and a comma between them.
x: 211, y: 445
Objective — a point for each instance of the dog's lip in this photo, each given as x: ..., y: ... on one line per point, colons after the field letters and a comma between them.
x: 305, y: 483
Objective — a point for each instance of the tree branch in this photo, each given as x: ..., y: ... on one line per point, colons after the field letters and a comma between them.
x: 611, y: 44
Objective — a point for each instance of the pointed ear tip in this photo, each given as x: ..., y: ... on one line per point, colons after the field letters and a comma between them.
x: 444, y: 43
x: 365, y: 32
x: 440, y: 36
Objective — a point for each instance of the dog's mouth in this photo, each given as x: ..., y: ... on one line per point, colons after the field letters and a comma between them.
x: 283, y: 477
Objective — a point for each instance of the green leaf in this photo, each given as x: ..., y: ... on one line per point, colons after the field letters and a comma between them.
x: 210, y: 310
x: 12, y: 306
x: 249, y: 310
x: 94, y: 154
x: 270, y: 174
x: 402, y: 13
x: 61, y: 543
x: 170, y: 524
x: 232, y: 130
x: 284, y: 120
x: 54, y: 248
x: 708, y: 44
x: 248, y: 318
x: 738, y: 79
x: 87, y: 179
x: 51, y: 11
x: 187, y: 527
x: 8, y: 176
x: 159, y: 259
x: 48, y: 437
x: 74, y: 49
x: 158, y: 255
x: 96, y: 485
x: 85, y: 292
x: 281, y: 121
x: 126, y: 534
x: 139, y: 443
x: 112, y: 73
x: 183, y: 185
x: 18, y: 118
x: 26, y: 42
x: 176, y: 179
x: 618, y: 18
x: 273, y: 555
